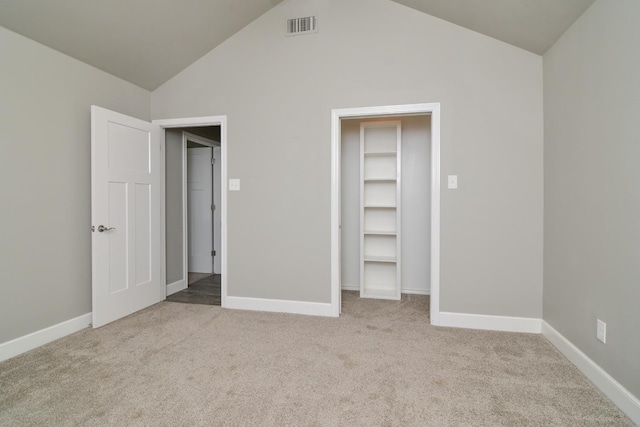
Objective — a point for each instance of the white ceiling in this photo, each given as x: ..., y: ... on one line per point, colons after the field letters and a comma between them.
x: 146, y: 42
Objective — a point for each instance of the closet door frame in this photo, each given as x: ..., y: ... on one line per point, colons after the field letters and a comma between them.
x: 390, y: 111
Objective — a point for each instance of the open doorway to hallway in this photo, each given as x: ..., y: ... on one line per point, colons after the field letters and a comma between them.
x: 193, y: 207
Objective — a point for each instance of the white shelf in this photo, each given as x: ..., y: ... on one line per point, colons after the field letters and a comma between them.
x: 380, y: 153
x: 380, y: 163
x: 379, y: 233
x: 372, y: 258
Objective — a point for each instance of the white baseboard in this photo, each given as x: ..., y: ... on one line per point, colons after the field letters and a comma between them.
x: 280, y: 306
x: 176, y: 286
x: 33, y: 340
x: 627, y: 402
x: 491, y: 323
x: 347, y: 287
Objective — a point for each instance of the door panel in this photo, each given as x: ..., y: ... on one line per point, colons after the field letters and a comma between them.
x: 143, y: 241
x: 117, y: 242
x: 125, y: 199
x: 129, y: 149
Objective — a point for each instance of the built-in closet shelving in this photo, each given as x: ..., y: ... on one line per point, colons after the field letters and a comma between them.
x: 380, y: 164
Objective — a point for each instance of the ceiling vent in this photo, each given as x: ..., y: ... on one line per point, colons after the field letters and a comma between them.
x: 299, y: 26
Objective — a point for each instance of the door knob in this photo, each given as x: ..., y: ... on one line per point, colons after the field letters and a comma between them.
x: 102, y: 228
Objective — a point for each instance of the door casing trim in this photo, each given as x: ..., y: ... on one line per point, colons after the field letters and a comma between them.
x: 432, y: 109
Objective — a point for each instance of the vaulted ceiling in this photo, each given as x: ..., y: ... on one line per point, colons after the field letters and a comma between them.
x: 533, y: 25
x: 146, y: 42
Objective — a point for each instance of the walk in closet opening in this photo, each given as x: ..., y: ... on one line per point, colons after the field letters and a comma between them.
x: 385, y: 205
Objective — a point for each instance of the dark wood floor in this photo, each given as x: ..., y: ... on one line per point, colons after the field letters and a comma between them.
x: 204, y: 291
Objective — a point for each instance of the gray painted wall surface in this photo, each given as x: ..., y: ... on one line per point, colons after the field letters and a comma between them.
x: 45, y: 129
x: 173, y: 200
x: 278, y: 93
x: 592, y: 201
x: 415, y: 201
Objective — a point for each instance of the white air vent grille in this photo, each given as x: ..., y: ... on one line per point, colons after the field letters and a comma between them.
x: 298, y: 26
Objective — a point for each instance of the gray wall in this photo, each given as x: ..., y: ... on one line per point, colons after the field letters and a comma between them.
x: 592, y: 175
x: 415, y: 201
x: 45, y: 134
x: 174, y: 208
x: 278, y: 93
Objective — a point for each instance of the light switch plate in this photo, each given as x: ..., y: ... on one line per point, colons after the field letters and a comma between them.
x: 601, y: 331
x: 234, y: 185
x: 452, y: 182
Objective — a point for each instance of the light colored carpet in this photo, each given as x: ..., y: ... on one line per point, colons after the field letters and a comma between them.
x: 379, y: 364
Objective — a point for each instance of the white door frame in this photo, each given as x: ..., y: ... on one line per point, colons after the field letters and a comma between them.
x: 194, y: 122
x: 432, y: 109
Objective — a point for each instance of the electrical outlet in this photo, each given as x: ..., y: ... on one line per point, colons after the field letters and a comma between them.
x: 601, y: 331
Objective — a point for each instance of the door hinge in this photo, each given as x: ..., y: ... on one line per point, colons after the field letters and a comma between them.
x: 213, y: 253
x: 213, y: 207
x: 213, y: 161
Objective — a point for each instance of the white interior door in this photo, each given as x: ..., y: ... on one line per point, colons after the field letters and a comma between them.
x: 217, y: 203
x: 200, y: 209
x: 125, y: 215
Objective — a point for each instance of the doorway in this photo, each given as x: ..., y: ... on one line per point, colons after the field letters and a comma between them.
x: 431, y: 236
x: 393, y: 239
x: 194, y: 153
x: 194, y: 156
x: 201, y: 229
